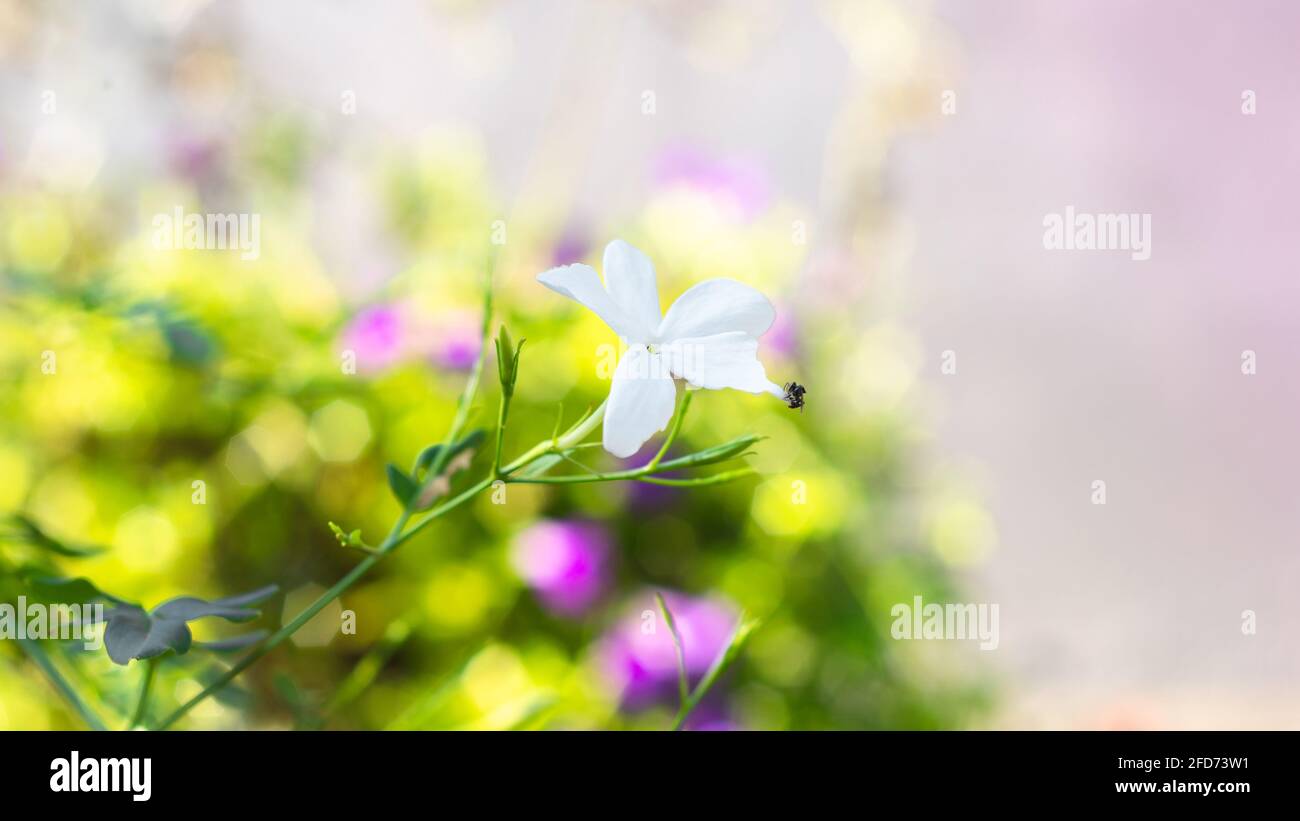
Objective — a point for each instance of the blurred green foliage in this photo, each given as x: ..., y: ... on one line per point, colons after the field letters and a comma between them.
x: 198, y: 415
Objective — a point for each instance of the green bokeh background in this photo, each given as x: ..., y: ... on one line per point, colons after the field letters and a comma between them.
x: 176, y: 367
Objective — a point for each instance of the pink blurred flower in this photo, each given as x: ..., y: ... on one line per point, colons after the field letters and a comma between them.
x: 734, y: 184
x: 638, y: 656
x: 782, y: 336
x: 571, y: 247
x: 383, y: 335
x: 194, y: 157
x: 566, y: 563
x: 376, y: 336
x: 456, y: 338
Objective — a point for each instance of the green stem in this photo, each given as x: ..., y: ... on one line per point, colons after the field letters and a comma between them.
x: 368, y: 669
x: 396, y: 538
x: 142, y: 703
x: 395, y: 535
x: 702, y: 481
x: 274, y: 640
x: 462, y: 407
x: 400, y: 533
x: 503, y: 411
x: 683, y: 683
x: 37, y: 654
x: 720, y: 665
x: 673, y: 430
x: 643, y: 474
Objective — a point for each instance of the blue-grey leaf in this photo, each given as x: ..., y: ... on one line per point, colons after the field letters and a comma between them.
x: 165, y: 634
x: 231, y: 608
x: 127, y: 629
x: 134, y: 634
x: 189, y: 608
x: 250, y: 598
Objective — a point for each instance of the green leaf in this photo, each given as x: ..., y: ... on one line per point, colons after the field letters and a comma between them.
x: 542, y: 465
x: 683, y: 682
x: 559, y: 420
x: 346, y: 539
x: 304, y: 715
x: 232, y: 695
x: 70, y: 591
x: 403, y: 486
x: 720, y: 665
x: 507, y: 360
x: 717, y: 453
x: 28, y: 532
x: 429, y: 457
x: 473, y: 439
x: 426, y: 459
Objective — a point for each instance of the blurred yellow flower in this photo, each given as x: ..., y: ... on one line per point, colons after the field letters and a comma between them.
x: 339, y: 431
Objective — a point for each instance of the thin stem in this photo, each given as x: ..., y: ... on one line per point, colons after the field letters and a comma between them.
x: 368, y: 669
x: 142, y: 703
x: 674, y: 429
x: 643, y: 474
x: 401, y: 533
x: 503, y: 411
x: 38, y: 655
x: 683, y: 684
x: 274, y: 640
x: 720, y: 665
x: 395, y: 535
x: 566, y: 457
x: 466, y: 397
x: 702, y: 481
x: 395, y: 538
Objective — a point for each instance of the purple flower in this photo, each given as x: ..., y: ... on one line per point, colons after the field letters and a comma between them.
x: 781, y: 337
x: 710, y: 716
x: 735, y: 184
x: 571, y: 247
x: 457, y: 337
x: 376, y: 336
x: 638, y: 655
x: 566, y: 563
x: 194, y: 157
x: 647, y: 496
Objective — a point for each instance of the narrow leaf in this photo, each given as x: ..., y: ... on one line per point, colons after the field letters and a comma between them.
x: 683, y: 683
x: 233, y: 643
x: 720, y: 665
x: 403, y: 486
x: 189, y: 608
x: 252, y: 597
x: 30, y: 533
x: 70, y: 591
x: 426, y: 458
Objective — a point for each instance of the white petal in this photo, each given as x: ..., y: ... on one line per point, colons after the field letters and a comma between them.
x: 581, y: 284
x: 727, y: 360
x: 640, y: 401
x: 717, y: 306
x: 630, y: 280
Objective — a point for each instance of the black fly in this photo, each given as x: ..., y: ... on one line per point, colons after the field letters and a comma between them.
x: 794, y: 395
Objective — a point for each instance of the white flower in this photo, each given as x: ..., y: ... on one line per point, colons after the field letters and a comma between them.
x: 709, y: 338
